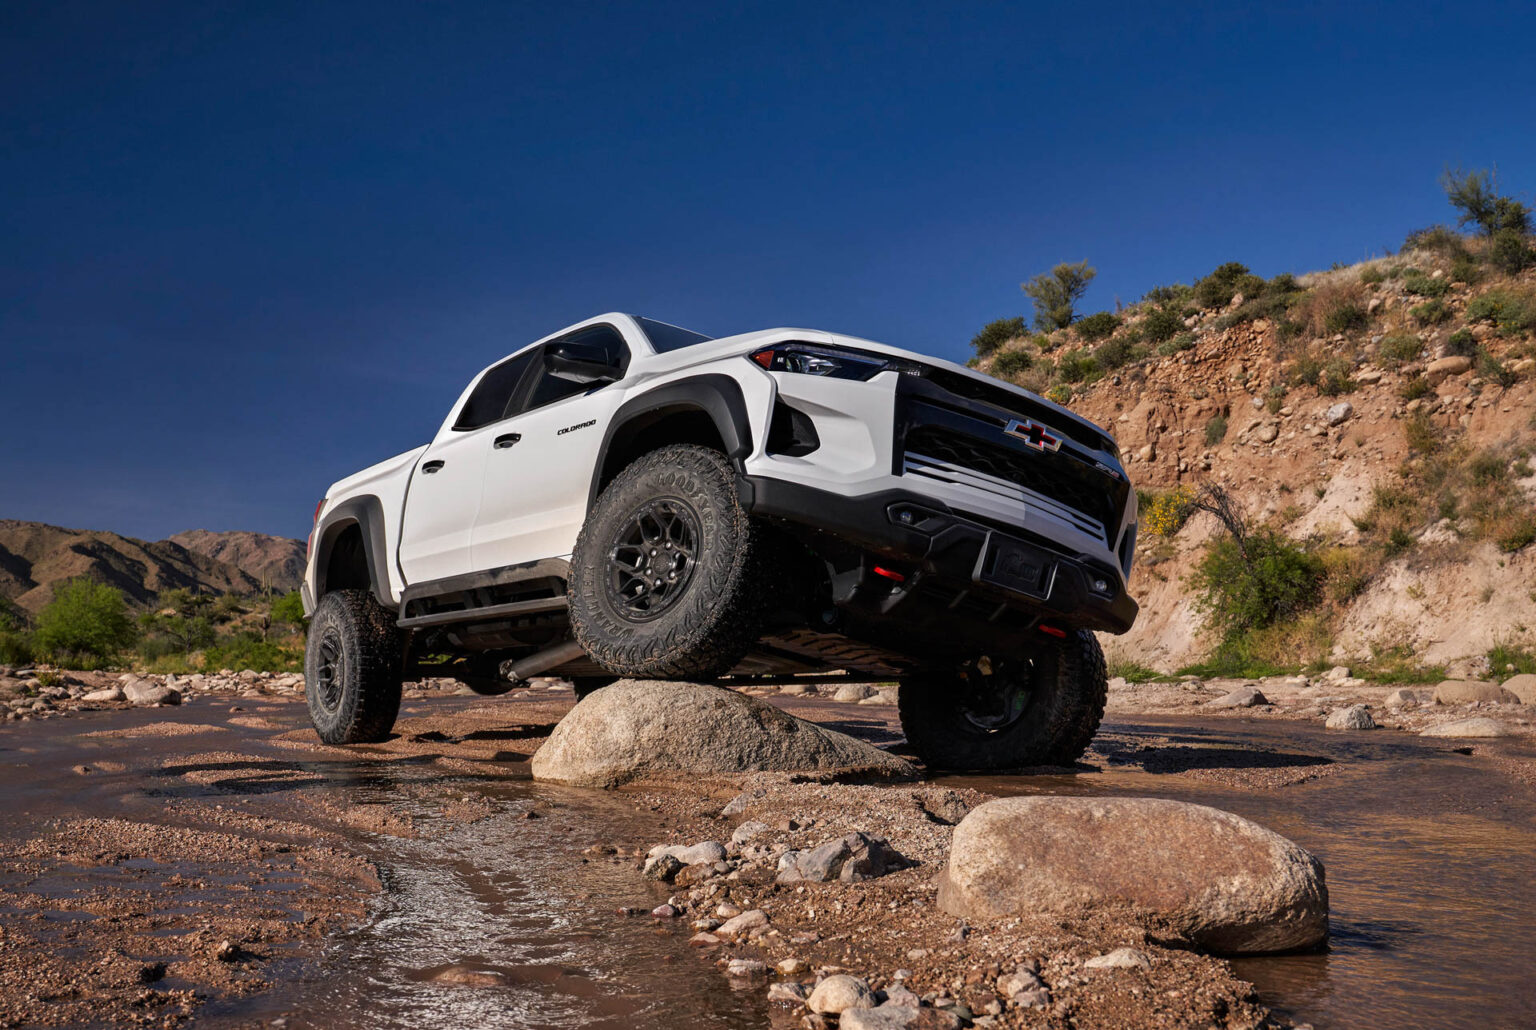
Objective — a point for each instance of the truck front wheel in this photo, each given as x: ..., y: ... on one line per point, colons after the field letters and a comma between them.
x: 1009, y: 714
x: 352, y: 668
x: 665, y: 579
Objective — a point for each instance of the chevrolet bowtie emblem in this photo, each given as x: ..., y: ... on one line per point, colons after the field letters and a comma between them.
x: 1034, y: 434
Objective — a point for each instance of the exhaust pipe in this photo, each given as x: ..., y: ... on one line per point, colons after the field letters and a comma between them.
x: 541, y: 661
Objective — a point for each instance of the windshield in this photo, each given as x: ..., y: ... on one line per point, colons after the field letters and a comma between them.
x: 666, y: 337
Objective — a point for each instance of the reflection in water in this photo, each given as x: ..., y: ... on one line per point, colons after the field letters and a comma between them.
x: 1430, y: 857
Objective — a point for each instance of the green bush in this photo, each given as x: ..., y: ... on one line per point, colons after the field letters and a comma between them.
x: 994, y: 334
x: 1113, y: 353
x: 1061, y: 393
x: 1494, y: 370
x: 1419, y: 284
x: 1181, y: 342
x: 1055, y: 294
x: 1464, y: 269
x: 1335, y: 378
x: 1372, y: 274
x: 1398, y: 348
x: 1096, y: 326
x: 1461, y: 343
x: 1077, y: 367
x: 1475, y: 195
x: 1506, y: 659
x: 1306, y: 370
x: 1415, y: 388
x: 289, y: 609
x: 84, y: 621
x: 250, y: 653
x: 1510, y: 312
x: 1161, y: 324
x: 1509, y: 252
x: 1216, y: 430
x: 1273, y: 581
x: 1010, y: 363
x: 1431, y: 312
x: 1346, y: 318
x: 1441, y: 239
x: 15, y: 642
x: 1217, y: 289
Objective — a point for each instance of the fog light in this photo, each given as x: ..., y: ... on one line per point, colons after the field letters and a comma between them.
x: 1100, y: 586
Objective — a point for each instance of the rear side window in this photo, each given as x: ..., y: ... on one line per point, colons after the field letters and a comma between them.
x: 550, y: 388
x: 492, y: 398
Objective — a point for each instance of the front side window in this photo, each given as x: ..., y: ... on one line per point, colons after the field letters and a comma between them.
x: 548, y: 388
x: 666, y: 337
x: 493, y: 397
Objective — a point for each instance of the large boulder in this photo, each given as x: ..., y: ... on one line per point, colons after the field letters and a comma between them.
x: 1226, y: 884
x: 656, y: 730
x: 1466, y: 692
x: 1479, y: 727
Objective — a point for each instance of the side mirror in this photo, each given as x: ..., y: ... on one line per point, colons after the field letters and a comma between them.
x: 580, y: 363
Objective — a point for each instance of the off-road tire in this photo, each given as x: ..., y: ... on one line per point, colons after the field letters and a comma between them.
x: 1069, y: 686
x: 352, y: 668
x: 716, y: 615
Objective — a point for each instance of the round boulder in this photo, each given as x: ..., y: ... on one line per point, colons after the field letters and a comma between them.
x: 1226, y: 884
x: 1479, y: 727
x: 657, y: 730
x: 1466, y: 692
x: 1523, y: 687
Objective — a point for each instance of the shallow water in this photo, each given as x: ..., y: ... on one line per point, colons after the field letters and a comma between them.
x: 1430, y: 858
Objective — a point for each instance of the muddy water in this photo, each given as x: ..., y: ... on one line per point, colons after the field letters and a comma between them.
x: 1430, y: 857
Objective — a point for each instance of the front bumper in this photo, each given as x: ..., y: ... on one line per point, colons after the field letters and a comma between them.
x: 950, y: 551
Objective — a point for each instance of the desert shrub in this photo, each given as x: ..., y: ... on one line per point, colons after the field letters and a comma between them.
x: 1345, y: 318
x: 1431, y: 312
x: 1172, y: 295
x: 1415, y: 388
x: 1370, y: 275
x: 288, y: 609
x: 1116, y: 352
x: 84, y: 622
x: 1487, y: 467
x: 1133, y: 672
x: 1475, y: 194
x: 1510, y: 312
x: 1010, y: 363
x: 994, y: 334
x: 1440, y: 239
x: 1465, y: 269
x: 1461, y: 343
x: 1217, y: 289
x: 1506, y: 658
x: 1397, y: 664
x: 247, y: 652
x: 1164, y: 514
x: 1077, y: 367
x: 1422, y: 435
x: 1183, y: 341
x: 1256, y: 583
x: 1510, y: 253
x: 1421, y: 285
x: 1216, y: 430
x: 1494, y: 370
x: 1335, y: 378
x: 1398, y: 348
x: 1055, y: 294
x: 1096, y: 326
x: 1305, y: 370
x: 1516, y: 531
x: 15, y: 641
x: 1061, y: 393
x: 1161, y: 323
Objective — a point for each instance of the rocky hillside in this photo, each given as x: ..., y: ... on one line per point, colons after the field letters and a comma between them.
x: 1383, y: 416
x: 35, y: 556
x: 276, y: 562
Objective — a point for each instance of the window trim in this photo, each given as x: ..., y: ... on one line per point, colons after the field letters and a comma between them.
x: 525, y: 388
x: 516, y: 392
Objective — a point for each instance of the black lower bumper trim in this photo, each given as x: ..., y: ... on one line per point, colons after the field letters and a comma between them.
x: 953, y: 549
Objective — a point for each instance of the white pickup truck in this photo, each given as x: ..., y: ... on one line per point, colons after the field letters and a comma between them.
x: 628, y: 498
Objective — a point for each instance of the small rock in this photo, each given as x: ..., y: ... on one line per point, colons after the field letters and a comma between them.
x: 1120, y: 958
x: 663, y: 867
x: 1402, y: 697
x: 1437, y: 371
x: 1339, y: 413
x: 1337, y: 673
x: 853, y: 692
x: 850, y: 859
x: 109, y: 694
x: 791, y: 967
x: 1268, y: 432
x: 840, y: 993
x: 1355, y: 717
x: 228, y: 951
x: 1479, y: 727
x: 665, y: 912
x: 1523, y: 687
x: 748, y: 830
x: 790, y: 994
x: 899, y: 1017
x: 145, y: 694
x: 736, y: 926
x: 746, y: 969
x: 703, y: 940
x: 1243, y: 697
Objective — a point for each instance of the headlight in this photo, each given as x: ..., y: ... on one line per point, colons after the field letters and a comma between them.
x: 830, y: 362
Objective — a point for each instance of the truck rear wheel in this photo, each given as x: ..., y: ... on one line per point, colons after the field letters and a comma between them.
x: 1044, y: 711
x: 352, y: 668
x: 664, y: 579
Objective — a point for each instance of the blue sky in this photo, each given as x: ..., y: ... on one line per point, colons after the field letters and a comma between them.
x: 248, y: 249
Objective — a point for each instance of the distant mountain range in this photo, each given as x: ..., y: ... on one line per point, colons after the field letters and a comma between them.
x: 35, y: 556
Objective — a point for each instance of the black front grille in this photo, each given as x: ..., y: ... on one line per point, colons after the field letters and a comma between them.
x: 1060, y: 478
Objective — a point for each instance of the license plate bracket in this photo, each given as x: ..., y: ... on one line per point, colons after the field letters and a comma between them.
x: 1014, y: 565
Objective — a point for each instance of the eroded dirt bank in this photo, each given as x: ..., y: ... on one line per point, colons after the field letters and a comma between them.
x: 426, y: 880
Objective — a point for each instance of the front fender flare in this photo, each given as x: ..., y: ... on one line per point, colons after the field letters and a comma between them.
x: 367, y: 513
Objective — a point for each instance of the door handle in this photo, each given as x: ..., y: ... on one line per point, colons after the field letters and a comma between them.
x: 506, y: 440
x: 429, y: 467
